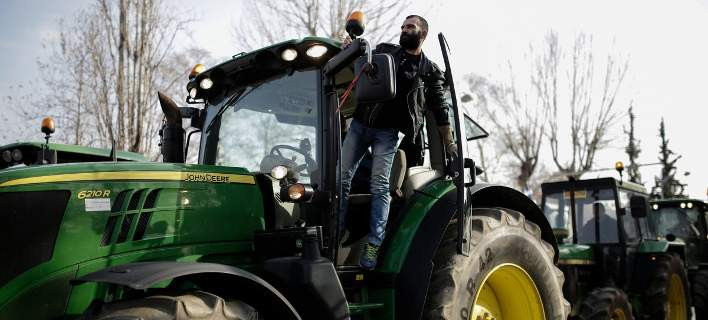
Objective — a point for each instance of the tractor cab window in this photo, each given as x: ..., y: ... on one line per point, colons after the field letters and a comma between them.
x: 596, y: 216
x: 630, y: 223
x: 556, y: 207
x: 680, y: 222
x: 273, y: 123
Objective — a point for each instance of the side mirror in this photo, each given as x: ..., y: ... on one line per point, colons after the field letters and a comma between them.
x: 639, y: 206
x: 377, y: 83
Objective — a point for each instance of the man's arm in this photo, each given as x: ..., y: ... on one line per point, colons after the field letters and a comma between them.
x: 435, y: 101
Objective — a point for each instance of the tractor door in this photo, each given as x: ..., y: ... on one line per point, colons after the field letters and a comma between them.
x: 460, y: 176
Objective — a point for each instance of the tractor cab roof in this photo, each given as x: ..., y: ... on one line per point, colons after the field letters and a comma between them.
x: 679, y: 203
x: 265, y: 62
x: 558, y: 186
x: 30, y: 152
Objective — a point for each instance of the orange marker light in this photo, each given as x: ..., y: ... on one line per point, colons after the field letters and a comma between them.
x: 199, y: 68
x: 48, y: 125
x: 355, y: 24
x: 619, y: 166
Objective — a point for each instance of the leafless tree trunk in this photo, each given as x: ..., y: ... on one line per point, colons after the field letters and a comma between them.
x: 667, y: 185
x: 632, y: 150
x: 300, y: 18
x: 592, y: 112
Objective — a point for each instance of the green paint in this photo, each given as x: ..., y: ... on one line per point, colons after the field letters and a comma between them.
x: 575, y: 251
x: 74, y: 151
x: 402, y: 239
x: 653, y: 246
x: 190, y: 221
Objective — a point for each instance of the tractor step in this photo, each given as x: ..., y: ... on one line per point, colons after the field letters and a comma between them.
x: 361, y: 308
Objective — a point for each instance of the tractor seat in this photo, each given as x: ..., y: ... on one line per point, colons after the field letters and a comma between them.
x: 395, y: 180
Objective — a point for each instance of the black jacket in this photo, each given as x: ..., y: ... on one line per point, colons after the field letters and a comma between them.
x: 426, y: 91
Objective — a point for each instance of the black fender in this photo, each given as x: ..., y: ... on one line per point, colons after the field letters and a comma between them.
x: 492, y: 195
x: 411, y: 284
x: 226, y: 279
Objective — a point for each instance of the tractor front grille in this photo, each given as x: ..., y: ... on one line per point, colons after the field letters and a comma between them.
x: 29, y: 224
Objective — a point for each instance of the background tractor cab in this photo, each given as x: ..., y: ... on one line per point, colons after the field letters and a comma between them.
x: 23, y: 154
x: 612, y: 260
x: 253, y: 226
x: 686, y: 220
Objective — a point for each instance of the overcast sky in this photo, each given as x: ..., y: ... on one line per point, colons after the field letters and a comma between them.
x: 664, y: 40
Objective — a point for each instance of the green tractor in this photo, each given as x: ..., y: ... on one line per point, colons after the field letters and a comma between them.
x: 23, y: 154
x: 687, y: 221
x: 614, y: 266
x: 250, y: 231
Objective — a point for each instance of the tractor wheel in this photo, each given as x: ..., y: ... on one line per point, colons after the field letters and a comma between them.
x: 666, y: 295
x: 699, y: 286
x: 508, y: 275
x: 192, y: 305
x: 604, y: 304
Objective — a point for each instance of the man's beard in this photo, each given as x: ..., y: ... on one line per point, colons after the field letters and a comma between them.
x: 410, y: 41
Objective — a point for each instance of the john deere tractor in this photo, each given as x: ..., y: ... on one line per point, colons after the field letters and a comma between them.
x: 22, y: 154
x: 687, y: 220
x: 614, y: 266
x: 250, y: 232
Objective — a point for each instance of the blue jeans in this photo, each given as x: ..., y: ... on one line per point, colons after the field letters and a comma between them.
x: 383, y: 144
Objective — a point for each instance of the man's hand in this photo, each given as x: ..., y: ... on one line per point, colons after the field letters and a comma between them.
x: 448, y: 141
x: 347, y: 41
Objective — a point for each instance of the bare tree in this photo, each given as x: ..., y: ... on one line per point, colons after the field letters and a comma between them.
x: 519, y: 124
x: 667, y: 185
x: 299, y: 18
x: 632, y: 150
x: 476, y: 103
x: 106, y: 67
x: 592, y: 111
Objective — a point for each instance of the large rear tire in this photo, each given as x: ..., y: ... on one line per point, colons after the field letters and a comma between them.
x: 666, y: 295
x: 508, y: 275
x: 192, y: 305
x: 699, y: 286
x: 605, y: 304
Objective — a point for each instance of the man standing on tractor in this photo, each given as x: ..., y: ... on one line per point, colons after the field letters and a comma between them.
x: 419, y: 83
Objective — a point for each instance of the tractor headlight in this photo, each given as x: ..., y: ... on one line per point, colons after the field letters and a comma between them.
x: 17, y: 155
x: 206, y: 84
x: 300, y: 192
x: 7, y: 156
x: 279, y: 172
x: 316, y: 51
x: 288, y: 54
x: 193, y: 93
x: 655, y: 206
x: 683, y: 205
x: 689, y: 205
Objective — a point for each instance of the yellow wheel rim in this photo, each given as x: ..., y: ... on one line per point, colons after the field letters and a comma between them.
x: 618, y: 314
x: 677, y: 299
x: 507, y: 293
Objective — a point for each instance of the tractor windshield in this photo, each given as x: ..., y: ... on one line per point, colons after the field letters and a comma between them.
x: 268, y: 124
x: 682, y: 223
x: 595, y: 215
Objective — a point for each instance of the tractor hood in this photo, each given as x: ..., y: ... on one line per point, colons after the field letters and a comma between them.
x: 57, y: 216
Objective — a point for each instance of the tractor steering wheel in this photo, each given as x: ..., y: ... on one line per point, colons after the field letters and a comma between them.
x: 309, y: 164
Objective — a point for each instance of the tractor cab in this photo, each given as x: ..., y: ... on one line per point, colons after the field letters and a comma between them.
x: 595, y: 211
x: 24, y: 154
x: 684, y: 220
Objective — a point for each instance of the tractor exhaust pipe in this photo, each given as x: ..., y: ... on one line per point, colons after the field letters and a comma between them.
x: 171, y: 133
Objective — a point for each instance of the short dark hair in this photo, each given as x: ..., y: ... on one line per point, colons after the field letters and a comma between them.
x: 422, y: 21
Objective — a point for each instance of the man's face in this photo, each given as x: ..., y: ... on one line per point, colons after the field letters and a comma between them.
x: 411, y: 34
